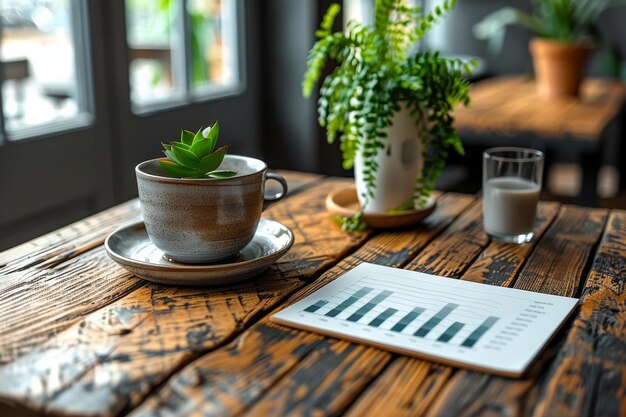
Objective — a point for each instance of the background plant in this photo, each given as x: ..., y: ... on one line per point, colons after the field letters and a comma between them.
x: 572, y: 21
x: 195, y: 156
x: 376, y: 69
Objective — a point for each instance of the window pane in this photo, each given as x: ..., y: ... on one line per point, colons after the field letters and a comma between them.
x: 152, y: 36
x: 361, y: 11
x: 39, y: 59
x: 214, y: 46
x: 169, y: 67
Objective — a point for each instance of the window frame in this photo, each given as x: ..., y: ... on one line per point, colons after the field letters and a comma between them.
x: 81, y: 40
x: 191, y: 94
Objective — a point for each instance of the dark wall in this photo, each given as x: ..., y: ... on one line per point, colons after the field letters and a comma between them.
x: 294, y: 139
x: 454, y: 35
x: 290, y: 121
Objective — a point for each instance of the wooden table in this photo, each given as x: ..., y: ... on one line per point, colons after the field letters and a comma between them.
x: 507, y: 111
x: 79, y: 335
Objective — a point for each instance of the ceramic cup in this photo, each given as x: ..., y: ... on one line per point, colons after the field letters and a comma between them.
x: 204, y: 220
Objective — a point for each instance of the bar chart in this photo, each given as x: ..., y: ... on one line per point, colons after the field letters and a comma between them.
x: 389, y: 314
x: 456, y: 322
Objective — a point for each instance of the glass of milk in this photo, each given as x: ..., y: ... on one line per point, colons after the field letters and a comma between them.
x: 511, y: 186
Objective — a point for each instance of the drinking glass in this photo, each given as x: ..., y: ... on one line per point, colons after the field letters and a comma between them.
x: 511, y: 187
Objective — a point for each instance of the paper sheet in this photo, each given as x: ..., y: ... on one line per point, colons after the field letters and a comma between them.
x: 476, y: 326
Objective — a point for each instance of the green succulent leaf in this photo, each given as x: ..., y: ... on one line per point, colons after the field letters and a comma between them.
x: 197, y: 137
x: 202, y: 148
x: 222, y: 174
x: 170, y: 154
x: 186, y: 137
x: 176, y: 170
x: 213, y: 160
x: 185, y: 157
x: 212, y: 133
x: 194, y: 156
x: 182, y: 146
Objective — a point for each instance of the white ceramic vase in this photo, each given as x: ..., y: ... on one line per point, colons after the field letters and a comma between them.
x: 399, y: 165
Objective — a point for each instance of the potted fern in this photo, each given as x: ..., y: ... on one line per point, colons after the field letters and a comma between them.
x: 566, y: 33
x: 390, y: 107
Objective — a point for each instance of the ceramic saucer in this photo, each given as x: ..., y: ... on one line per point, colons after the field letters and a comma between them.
x: 345, y: 202
x: 131, y: 247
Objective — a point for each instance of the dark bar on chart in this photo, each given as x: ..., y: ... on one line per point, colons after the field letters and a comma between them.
x: 314, y: 307
x: 369, y: 306
x: 382, y: 317
x: 406, y: 320
x: 480, y: 330
x: 347, y: 303
x: 451, y: 331
x: 435, y: 320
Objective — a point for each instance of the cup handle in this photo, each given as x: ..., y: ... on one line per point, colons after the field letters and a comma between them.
x: 268, y: 200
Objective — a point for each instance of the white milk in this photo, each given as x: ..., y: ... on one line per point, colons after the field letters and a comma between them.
x: 510, y: 205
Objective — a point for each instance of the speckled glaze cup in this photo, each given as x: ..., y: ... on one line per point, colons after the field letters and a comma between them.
x: 204, y: 220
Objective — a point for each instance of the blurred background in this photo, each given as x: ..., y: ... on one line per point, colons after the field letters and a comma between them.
x: 91, y: 88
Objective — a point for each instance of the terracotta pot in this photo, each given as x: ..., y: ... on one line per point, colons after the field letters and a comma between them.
x: 559, y: 66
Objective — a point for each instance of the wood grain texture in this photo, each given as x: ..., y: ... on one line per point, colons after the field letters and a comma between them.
x: 324, y: 382
x: 422, y: 381
x: 43, y: 302
x: 227, y: 380
x: 407, y: 387
x: 50, y: 283
x: 500, y: 263
x: 456, y: 248
x: 510, y: 105
x: 80, y: 343
x: 588, y: 376
x: 214, y: 397
x: 173, y: 325
x: 69, y: 241
x: 79, y: 237
x: 398, y: 247
x: 447, y: 254
x: 556, y: 266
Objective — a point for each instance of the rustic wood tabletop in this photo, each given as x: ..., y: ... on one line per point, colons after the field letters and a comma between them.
x: 79, y: 335
x: 511, y: 105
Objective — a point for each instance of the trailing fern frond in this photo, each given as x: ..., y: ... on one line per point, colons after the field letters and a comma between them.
x: 326, y: 27
x: 374, y: 73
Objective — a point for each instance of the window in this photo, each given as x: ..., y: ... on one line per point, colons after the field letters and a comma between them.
x: 358, y: 10
x: 182, y: 50
x: 39, y: 56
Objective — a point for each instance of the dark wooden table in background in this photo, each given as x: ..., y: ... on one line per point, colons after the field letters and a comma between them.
x: 508, y: 111
x: 79, y: 335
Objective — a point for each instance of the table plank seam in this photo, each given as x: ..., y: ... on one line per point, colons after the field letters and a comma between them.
x: 55, y: 258
x: 476, y: 203
x: 301, y: 292
x: 591, y: 260
x: 536, y: 244
x: 439, y: 384
x: 72, y: 256
x: 354, y: 241
x: 454, y: 371
x: 465, y: 385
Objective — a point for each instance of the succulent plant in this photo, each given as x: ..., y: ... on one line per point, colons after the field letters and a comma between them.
x: 195, y: 155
